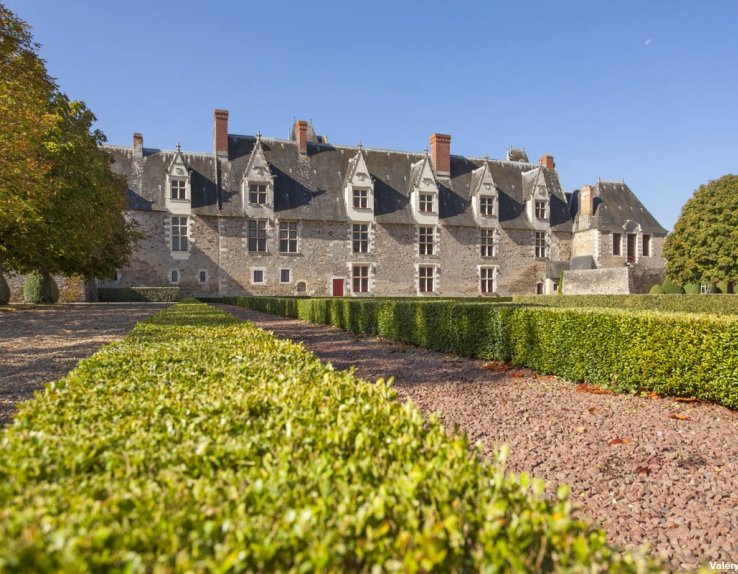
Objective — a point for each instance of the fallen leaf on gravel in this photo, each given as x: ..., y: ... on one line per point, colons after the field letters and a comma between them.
x: 496, y: 366
x: 592, y: 410
x: 678, y: 417
x: 518, y: 374
x: 613, y: 441
x: 643, y: 470
x: 653, y: 395
x: 686, y: 400
x: 593, y: 389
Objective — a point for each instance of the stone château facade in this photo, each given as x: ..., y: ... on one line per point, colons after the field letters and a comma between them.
x: 302, y: 216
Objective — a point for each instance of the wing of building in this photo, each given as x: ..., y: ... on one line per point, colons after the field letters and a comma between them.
x: 301, y: 216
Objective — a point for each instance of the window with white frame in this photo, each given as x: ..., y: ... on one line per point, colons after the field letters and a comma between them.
x: 541, y: 209
x: 174, y: 276
x: 360, y: 238
x: 285, y: 275
x: 361, y: 198
x: 488, y: 242
x: 360, y: 278
x: 179, y: 234
x: 178, y: 188
x: 616, y: 242
x: 258, y: 276
x: 646, y: 240
x: 257, y: 235
x: 426, y: 237
x: 487, y: 279
x: 541, y: 245
x: 426, y: 279
x: 288, y: 237
x: 487, y: 205
x: 202, y: 276
x: 425, y: 201
x: 258, y: 193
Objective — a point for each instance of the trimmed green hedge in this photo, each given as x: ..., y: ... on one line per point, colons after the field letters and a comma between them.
x: 673, y: 354
x: 138, y: 294
x: 202, y: 443
x: 717, y: 304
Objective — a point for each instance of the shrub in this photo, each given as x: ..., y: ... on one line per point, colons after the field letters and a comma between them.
x: 40, y: 288
x: 671, y: 288
x: 202, y: 443
x: 4, y: 291
x: 692, y: 288
x: 139, y: 294
x: 676, y: 354
x: 656, y: 290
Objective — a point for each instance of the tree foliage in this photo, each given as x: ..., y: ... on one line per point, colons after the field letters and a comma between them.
x: 703, y: 248
x: 61, y: 206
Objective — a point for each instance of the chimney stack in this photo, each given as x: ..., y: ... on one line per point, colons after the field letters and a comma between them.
x: 138, y: 145
x: 220, y: 134
x: 301, y: 136
x: 441, y: 153
x: 547, y: 161
x: 586, y: 201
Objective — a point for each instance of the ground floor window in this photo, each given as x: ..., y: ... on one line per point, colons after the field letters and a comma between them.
x: 258, y: 276
x: 487, y: 279
x: 174, y: 276
x: 426, y: 279
x: 360, y: 276
x: 646, y: 245
x: 285, y: 275
x: 202, y: 276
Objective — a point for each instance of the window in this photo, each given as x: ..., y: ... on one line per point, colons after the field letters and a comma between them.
x: 487, y: 205
x: 288, y: 237
x: 361, y: 198
x: 257, y: 235
x: 174, y: 276
x: 487, y: 243
x: 360, y: 238
x: 487, y: 279
x: 202, y: 276
x: 616, y: 241
x: 426, y: 274
x: 284, y: 276
x: 541, y: 209
x: 179, y: 234
x: 646, y: 245
x: 541, y: 247
x: 360, y: 275
x: 426, y: 202
x: 425, y: 240
x: 257, y: 276
x: 258, y: 193
x: 177, y: 189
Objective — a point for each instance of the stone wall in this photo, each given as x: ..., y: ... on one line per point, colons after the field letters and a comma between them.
x: 614, y: 281
x: 71, y: 289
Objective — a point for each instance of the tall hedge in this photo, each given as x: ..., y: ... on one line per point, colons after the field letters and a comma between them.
x: 203, y: 444
x: 673, y: 354
x: 40, y: 288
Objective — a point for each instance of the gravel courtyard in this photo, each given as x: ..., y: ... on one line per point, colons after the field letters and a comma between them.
x: 42, y: 344
x: 647, y: 470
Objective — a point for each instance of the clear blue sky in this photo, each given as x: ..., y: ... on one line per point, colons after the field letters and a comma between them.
x: 640, y: 90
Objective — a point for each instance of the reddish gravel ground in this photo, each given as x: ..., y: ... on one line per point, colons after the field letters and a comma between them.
x: 648, y: 470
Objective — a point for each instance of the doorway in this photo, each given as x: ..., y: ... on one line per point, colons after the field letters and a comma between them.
x: 631, y: 247
x: 338, y: 287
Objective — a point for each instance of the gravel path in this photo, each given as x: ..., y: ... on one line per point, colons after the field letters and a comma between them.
x: 647, y: 470
x: 42, y: 344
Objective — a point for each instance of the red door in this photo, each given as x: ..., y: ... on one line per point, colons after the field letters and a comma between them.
x: 338, y: 287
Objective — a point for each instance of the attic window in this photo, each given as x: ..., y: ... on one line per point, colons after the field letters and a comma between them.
x: 361, y: 198
x: 426, y: 203
x: 541, y: 210
x: 487, y: 205
x: 178, y: 189
x: 258, y: 193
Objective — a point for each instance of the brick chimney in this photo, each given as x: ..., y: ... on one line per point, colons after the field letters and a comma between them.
x: 301, y: 136
x: 441, y: 153
x: 220, y: 134
x: 547, y: 161
x: 138, y: 145
x: 586, y: 201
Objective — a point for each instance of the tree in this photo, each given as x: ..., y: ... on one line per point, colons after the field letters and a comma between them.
x: 703, y: 248
x: 61, y: 206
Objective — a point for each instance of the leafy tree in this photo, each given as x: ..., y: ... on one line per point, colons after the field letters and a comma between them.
x: 703, y: 248
x: 61, y: 207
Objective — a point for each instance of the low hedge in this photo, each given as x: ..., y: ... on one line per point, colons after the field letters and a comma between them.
x: 205, y: 444
x: 714, y: 303
x: 672, y: 354
x: 138, y: 294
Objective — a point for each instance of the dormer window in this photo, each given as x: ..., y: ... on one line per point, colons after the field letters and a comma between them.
x: 178, y: 188
x: 258, y: 193
x: 425, y: 203
x: 541, y: 210
x: 487, y: 205
x: 361, y: 198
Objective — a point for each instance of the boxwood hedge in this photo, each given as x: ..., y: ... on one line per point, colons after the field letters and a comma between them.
x: 677, y: 354
x: 717, y: 304
x: 204, y: 444
x: 139, y: 294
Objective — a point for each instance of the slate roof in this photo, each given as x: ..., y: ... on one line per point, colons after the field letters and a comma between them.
x: 311, y: 187
x: 614, y: 205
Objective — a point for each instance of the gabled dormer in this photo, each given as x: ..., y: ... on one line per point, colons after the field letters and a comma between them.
x: 358, y: 189
x: 537, y: 198
x: 257, y: 185
x: 178, y: 185
x: 485, y: 200
x: 423, y: 191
